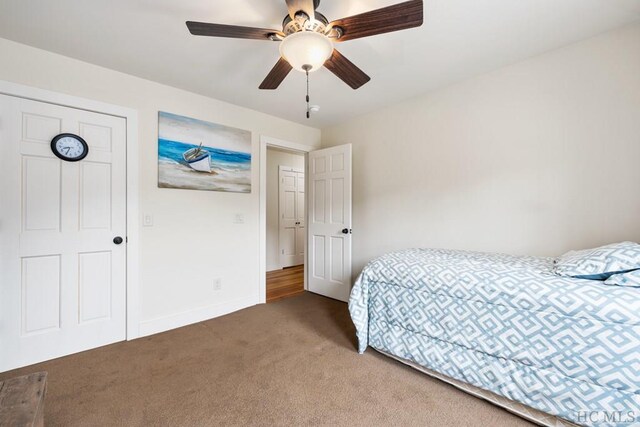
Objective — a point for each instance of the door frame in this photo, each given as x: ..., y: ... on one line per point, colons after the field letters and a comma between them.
x: 284, y: 168
x: 132, y: 168
x: 265, y: 142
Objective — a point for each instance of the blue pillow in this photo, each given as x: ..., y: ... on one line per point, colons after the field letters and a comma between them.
x: 631, y: 280
x: 599, y: 263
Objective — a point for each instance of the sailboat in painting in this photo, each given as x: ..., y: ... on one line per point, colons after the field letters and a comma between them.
x: 198, y: 159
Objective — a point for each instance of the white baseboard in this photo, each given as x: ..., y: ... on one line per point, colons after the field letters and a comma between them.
x: 273, y: 267
x: 173, y: 321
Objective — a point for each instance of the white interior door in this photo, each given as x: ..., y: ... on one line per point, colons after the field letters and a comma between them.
x: 63, y: 279
x: 330, y: 222
x: 292, y: 218
x: 301, y: 231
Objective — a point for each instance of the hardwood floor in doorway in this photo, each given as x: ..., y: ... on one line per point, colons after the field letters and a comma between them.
x: 285, y: 283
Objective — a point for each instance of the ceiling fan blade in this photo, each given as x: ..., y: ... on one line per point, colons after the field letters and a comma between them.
x: 306, y: 6
x: 231, y: 31
x: 276, y: 75
x: 393, y: 18
x: 346, y: 70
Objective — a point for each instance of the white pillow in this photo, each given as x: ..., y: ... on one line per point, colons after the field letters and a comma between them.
x: 631, y: 279
x: 599, y: 263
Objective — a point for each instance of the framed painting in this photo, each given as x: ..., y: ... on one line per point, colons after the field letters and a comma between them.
x: 199, y: 155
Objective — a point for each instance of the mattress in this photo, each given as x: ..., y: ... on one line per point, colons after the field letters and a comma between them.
x: 508, y: 325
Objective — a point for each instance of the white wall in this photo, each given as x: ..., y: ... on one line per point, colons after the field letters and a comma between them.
x: 276, y: 158
x: 535, y: 158
x: 177, y: 267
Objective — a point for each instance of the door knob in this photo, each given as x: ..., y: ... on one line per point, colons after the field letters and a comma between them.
x: 346, y: 231
x: 117, y: 240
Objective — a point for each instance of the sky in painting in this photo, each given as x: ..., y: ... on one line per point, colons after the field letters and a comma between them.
x: 192, y: 131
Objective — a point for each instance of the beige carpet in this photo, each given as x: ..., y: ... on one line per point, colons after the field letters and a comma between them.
x: 292, y: 362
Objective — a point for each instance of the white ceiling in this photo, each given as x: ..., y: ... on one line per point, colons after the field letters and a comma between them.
x: 459, y: 39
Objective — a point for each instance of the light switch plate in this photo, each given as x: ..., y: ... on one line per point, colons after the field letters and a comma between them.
x: 147, y: 220
x: 239, y: 218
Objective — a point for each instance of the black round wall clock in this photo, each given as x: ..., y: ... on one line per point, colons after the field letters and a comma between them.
x: 69, y: 147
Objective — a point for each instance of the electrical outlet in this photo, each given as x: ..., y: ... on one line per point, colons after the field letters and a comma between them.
x: 217, y: 284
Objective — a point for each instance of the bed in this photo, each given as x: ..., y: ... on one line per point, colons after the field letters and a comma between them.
x: 508, y: 329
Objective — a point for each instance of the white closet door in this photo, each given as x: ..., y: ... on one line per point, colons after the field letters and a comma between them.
x: 292, y: 230
x: 330, y: 222
x: 63, y: 278
x: 301, y: 231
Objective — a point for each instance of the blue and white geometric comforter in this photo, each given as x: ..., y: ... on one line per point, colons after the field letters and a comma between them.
x: 568, y: 347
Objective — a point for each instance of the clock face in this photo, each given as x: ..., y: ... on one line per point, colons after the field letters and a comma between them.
x: 69, y: 147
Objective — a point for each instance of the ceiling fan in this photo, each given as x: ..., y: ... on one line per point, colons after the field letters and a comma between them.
x: 307, y: 38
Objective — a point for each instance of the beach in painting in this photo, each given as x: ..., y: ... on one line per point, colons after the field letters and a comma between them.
x: 229, y: 152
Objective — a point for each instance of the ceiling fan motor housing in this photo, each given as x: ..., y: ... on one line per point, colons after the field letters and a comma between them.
x: 303, y: 23
x: 319, y: 25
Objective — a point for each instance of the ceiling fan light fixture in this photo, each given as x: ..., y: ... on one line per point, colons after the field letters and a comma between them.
x: 306, y: 48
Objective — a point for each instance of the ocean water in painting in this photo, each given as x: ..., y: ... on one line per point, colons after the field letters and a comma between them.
x: 229, y: 162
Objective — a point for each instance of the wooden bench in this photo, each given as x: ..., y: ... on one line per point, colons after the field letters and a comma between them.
x: 22, y: 400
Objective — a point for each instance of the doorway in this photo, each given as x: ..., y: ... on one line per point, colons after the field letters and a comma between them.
x: 285, y: 218
x: 328, y: 204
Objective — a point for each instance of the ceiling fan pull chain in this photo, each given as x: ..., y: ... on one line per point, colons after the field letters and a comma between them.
x: 306, y: 70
